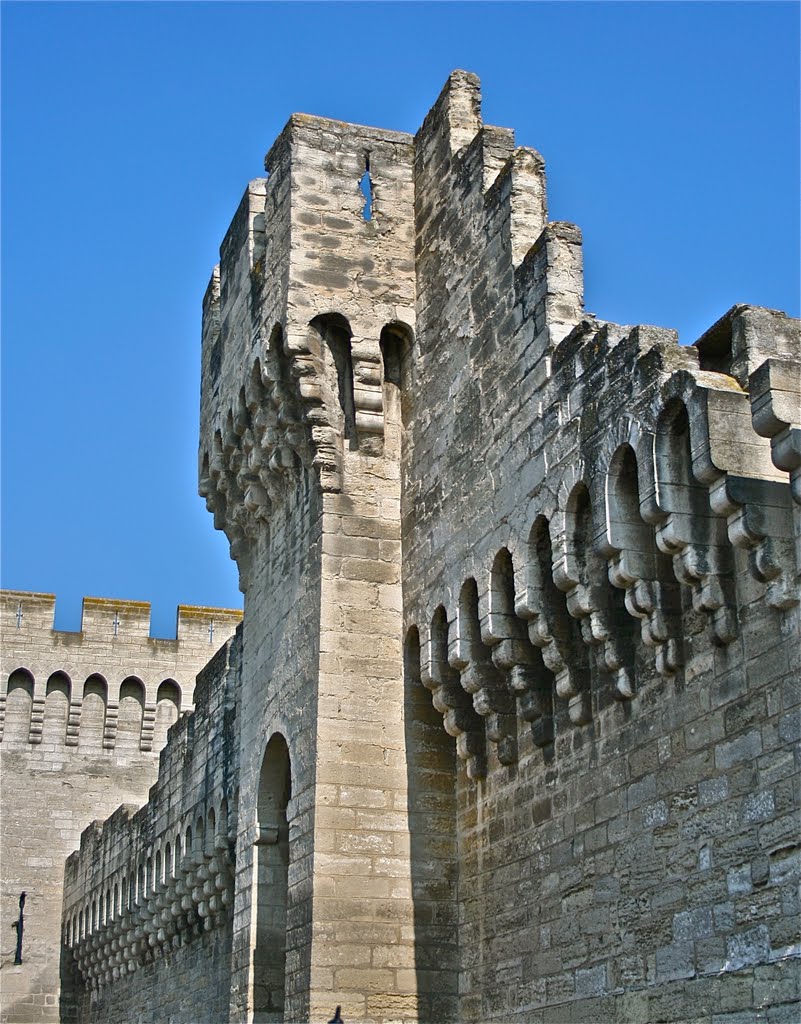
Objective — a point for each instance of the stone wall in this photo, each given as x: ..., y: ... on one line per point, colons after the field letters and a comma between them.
x: 147, y: 898
x: 83, y: 718
x: 600, y: 590
x: 519, y: 685
x: 300, y: 465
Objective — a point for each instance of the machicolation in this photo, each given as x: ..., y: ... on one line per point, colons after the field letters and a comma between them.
x: 509, y: 730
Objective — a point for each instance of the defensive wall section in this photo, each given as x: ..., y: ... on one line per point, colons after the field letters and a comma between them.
x: 158, y: 882
x: 600, y: 566
x: 517, y: 703
x: 83, y: 717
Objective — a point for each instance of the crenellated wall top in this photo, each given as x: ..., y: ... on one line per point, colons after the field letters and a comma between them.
x: 26, y: 613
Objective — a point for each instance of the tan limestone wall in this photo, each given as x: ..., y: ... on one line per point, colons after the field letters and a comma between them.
x: 148, y: 898
x: 75, y: 751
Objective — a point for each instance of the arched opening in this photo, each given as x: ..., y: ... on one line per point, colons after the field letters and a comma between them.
x: 679, y: 491
x: 19, y: 701
x: 335, y: 333
x: 272, y: 867
x: 552, y: 628
x: 168, y: 706
x: 129, y: 718
x: 639, y: 560
x: 589, y: 602
x: 211, y: 832
x: 222, y: 822
x: 452, y: 701
x: 694, y: 535
x: 93, y: 713
x: 199, y: 841
x: 480, y: 677
x: 57, y: 709
x: 616, y: 655
x: 396, y: 340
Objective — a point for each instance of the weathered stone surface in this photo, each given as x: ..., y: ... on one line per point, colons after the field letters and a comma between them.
x: 84, y: 717
x: 510, y: 729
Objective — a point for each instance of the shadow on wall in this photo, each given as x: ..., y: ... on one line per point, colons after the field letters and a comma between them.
x: 431, y: 772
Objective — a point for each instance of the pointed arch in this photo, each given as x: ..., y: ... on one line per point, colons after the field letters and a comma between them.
x: 130, y: 714
x: 168, y: 708
x: 93, y: 713
x: 336, y: 356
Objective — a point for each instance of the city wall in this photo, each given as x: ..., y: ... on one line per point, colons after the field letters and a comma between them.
x: 601, y: 593
x: 519, y: 694
x: 147, y: 898
x: 83, y: 717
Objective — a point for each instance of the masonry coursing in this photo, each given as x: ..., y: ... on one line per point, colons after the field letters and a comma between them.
x: 83, y: 717
x: 517, y: 684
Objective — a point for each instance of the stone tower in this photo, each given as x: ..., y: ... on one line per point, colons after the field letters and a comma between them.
x: 507, y: 731
x: 305, y: 326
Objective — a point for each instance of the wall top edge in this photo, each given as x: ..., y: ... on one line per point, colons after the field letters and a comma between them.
x: 105, y: 617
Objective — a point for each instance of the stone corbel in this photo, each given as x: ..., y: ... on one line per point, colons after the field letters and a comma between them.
x: 513, y: 654
x: 481, y: 679
x: 459, y: 717
x: 645, y: 601
x: 776, y: 414
x: 584, y: 603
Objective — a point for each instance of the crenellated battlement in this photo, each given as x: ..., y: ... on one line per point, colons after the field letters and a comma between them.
x: 47, y: 675
x: 104, y: 618
x: 507, y: 730
x: 598, y: 540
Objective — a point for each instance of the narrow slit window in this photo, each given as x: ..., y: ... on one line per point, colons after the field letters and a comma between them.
x: 366, y: 188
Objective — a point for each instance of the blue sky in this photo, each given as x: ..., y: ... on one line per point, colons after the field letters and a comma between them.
x: 670, y: 133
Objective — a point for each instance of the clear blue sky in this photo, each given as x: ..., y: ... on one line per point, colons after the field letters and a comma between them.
x: 670, y: 133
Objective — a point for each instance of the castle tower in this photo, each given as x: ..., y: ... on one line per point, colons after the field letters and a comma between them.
x: 508, y: 730
x: 306, y: 321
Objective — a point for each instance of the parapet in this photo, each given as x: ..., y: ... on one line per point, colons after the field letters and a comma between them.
x: 108, y: 686
x: 104, y: 618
